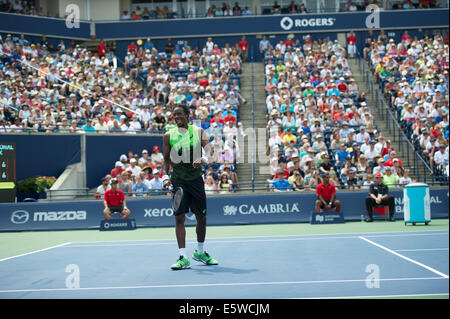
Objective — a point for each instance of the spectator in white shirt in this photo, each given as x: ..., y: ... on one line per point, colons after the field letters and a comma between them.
x: 135, y: 169
x: 441, y: 156
x: 362, y: 135
x: 371, y: 152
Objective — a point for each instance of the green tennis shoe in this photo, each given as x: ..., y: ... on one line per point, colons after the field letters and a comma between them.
x: 182, y: 263
x: 204, y: 258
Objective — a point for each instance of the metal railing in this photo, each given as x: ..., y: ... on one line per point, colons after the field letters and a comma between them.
x: 236, y: 188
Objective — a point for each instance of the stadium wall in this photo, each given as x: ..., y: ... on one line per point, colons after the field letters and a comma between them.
x: 222, y: 210
x: 43, y: 154
x: 227, y: 26
x: 49, y: 155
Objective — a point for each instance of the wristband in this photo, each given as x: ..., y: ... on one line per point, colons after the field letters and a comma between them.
x: 205, y: 159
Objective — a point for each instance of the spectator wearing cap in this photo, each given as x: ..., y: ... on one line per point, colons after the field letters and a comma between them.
x: 380, y: 168
x: 288, y: 137
x: 156, y: 183
x: 389, y: 179
x: 379, y: 197
x: 114, y: 201
x: 281, y: 184
x: 118, y: 169
x: 326, y: 196
x: 135, y: 169
x: 156, y: 156
x: 88, y: 127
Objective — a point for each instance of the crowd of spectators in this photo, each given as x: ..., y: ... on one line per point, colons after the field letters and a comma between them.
x: 319, y: 121
x: 138, y: 175
x: 73, y: 90
x: 413, y: 75
x: 207, y: 80
x: 27, y: 7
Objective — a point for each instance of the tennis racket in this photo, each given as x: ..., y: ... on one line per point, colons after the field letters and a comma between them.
x: 177, y: 196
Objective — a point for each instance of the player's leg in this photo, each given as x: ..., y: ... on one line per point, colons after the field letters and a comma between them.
x: 198, y: 207
x: 180, y: 232
x: 319, y: 205
x: 107, y: 213
x: 337, y: 205
x: 125, y: 213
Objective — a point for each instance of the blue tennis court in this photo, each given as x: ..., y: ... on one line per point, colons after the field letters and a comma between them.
x: 308, y: 266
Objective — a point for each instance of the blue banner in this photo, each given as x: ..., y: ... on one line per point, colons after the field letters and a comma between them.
x: 234, y: 210
x: 226, y: 26
x: 52, y: 27
x: 44, y: 154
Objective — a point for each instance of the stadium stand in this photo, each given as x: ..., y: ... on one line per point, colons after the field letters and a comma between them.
x: 413, y: 75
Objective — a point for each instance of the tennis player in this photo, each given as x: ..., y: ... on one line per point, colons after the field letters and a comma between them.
x: 183, y: 146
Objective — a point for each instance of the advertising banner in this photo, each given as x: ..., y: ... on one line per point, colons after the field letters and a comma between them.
x: 235, y: 210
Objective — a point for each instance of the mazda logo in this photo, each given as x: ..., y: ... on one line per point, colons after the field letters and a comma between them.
x: 20, y: 217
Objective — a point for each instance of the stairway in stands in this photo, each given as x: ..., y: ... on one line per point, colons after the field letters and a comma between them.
x: 261, y: 168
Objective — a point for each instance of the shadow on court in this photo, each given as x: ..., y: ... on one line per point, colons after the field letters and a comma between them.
x: 211, y: 270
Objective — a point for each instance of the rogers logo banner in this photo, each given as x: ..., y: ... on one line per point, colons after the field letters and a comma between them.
x: 287, y: 23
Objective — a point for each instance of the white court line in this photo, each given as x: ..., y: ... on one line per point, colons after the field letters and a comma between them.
x: 235, y: 240
x: 353, y: 235
x: 218, y: 284
x: 36, y: 251
x: 421, y: 249
x: 406, y: 258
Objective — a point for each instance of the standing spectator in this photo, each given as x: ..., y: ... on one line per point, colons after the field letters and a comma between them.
x: 101, y: 48
x: 326, y: 196
x: 243, y: 48
x: 379, y: 196
x: 351, y: 45
x: 114, y: 201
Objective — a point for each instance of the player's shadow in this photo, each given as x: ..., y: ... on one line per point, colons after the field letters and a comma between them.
x: 209, y: 270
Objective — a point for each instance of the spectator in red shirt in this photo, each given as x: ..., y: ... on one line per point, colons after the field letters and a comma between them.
x: 217, y: 118
x: 132, y: 47
x: 289, y: 42
x: 351, y: 44
x: 114, y: 201
x: 243, y: 47
x: 101, y: 48
x: 117, y: 170
x: 326, y: 194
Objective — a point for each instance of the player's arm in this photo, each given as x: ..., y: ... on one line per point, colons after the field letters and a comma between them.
x: 166, y: 153
x: 206, y: 150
